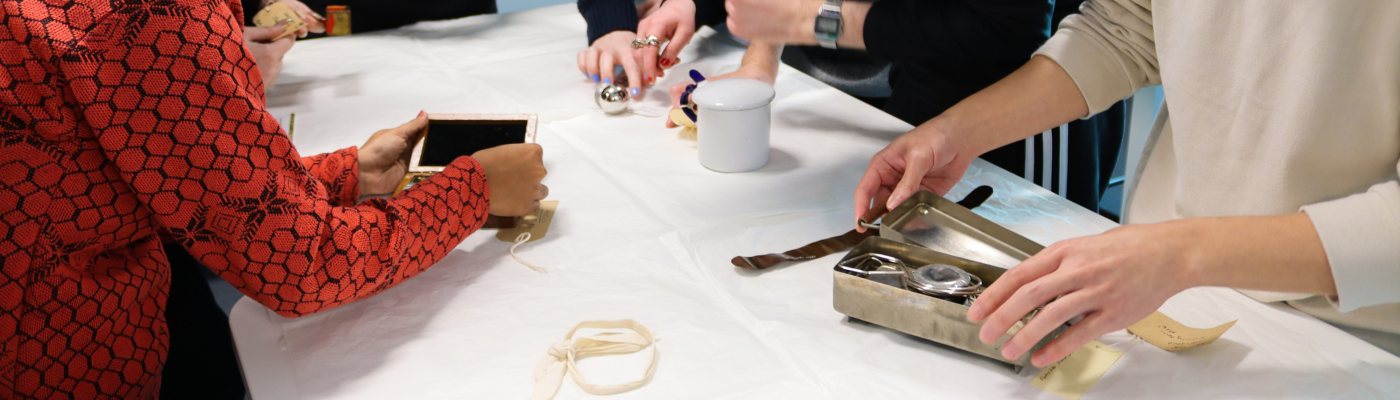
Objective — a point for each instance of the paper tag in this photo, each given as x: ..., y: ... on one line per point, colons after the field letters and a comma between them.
x: 688, y: 130
x: 1170, y: 335
x: 1073, y: 376
x: 279, y: 12
x: 537, y: 224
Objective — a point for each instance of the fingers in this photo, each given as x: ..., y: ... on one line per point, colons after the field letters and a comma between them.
x: 678, y: 43
x: 1047, y: 320
x: 1092, y: 326
x: 582, y: 64
x: 1037, y: 290
x: 1039, y: 265
x: 606, y: 67
x: 869, y: 184
x: 634, y: 77
x: 263, y: 34
x: 413, y: 129
x: 542, y: 193
x: 647, y: 54
x: 649, y: 64
x: 675, y: 92
x: 591, y: 63
x: 280, y: 47
x: 916, y: 166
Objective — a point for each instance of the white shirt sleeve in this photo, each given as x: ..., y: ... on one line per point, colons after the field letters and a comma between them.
x: 1108, y: 50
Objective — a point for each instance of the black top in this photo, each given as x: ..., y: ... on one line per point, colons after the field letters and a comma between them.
x: 373, y: 15
x: 945, y: 50
x: 941, y: 50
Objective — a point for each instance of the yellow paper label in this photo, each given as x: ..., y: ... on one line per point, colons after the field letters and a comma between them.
x: 1170, y: 335
x: 537, y: 224
x: 1073, y: 376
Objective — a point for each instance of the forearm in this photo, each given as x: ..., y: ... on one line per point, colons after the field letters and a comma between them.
x: 762, y: 58
x: 1036, y: 97
x: 1279, y: 253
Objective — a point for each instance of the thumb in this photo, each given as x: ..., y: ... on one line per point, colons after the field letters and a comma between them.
x: 915, y: 168
x: 263, y: 33
x: 411, y: 130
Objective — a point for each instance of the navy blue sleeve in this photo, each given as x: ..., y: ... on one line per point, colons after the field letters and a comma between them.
x: 607, y: 16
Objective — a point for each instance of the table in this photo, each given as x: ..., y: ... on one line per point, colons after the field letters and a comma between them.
x: 644, y: 232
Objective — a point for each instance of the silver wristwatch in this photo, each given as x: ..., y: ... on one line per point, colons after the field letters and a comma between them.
x: 828, y: 26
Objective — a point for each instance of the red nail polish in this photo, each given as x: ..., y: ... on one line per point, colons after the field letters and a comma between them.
x: 665, y: 62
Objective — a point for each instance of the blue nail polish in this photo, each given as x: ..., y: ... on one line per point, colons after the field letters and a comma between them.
x: 607, y: 81
x: 685, y: 97
x: 595, y: 78
x: 695, y: 76
x: 636, y: 91
x: 689, y: 114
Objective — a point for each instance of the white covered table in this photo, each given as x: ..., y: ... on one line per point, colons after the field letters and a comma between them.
x: 644, y: 232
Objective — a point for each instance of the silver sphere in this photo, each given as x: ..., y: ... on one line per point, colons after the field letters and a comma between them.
x: 611, y: 98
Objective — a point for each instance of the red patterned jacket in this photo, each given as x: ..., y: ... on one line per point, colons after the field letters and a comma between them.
x: 122, y: 120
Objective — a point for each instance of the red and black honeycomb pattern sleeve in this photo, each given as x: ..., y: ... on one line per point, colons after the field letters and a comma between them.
x: 243, y: 203
x: 120, y: 119
x: 198, y: 149
x: 339, y: 171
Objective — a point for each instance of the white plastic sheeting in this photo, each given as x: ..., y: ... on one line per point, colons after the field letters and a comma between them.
x: 644, y: 232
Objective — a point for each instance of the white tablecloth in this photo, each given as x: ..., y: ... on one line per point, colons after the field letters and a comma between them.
x: 644, y: 232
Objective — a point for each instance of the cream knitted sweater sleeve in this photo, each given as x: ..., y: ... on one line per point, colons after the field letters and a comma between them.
x: 1111, y: 49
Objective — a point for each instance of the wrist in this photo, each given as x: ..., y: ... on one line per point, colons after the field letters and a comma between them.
x: 945, y: 132
x: 804, y: 22
x: 1192, y: 247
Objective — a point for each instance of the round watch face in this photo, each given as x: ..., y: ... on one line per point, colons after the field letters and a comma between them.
x: 943, y: 281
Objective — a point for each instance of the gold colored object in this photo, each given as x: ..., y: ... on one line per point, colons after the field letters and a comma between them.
x: 536, y: 224
x: 337, y: 20
x: 276, y: 13
x: 410, y: 180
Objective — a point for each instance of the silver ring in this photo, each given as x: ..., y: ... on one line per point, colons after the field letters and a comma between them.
x: 650, y: 40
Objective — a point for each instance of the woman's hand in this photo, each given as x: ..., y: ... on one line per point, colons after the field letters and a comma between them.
x: 315, y: 23
x: 1112, y: 279
x: 924, y: 158
x: 673, y: 23
x: 513, y: 175
x: 598, y: 60
x: 384, y: 157
x: 267, y: 53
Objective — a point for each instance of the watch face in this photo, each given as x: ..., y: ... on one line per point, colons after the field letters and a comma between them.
x: 828, y: 25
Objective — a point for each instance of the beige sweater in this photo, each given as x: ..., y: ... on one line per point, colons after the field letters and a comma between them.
x: 1271, y: 107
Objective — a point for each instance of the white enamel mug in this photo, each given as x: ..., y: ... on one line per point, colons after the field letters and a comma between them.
x: 733, y: 123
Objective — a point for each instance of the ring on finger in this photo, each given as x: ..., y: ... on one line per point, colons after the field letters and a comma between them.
x: 649, y: 41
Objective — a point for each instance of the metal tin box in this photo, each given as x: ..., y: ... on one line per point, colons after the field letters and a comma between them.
x: 927, y: 229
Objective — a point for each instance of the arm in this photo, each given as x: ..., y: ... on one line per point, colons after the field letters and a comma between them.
x: 228, y: 186
x: 1082, y: 70
x: 338, y: 172
x: 902, y: 28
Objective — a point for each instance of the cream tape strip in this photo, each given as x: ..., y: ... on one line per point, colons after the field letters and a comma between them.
x: 624, y: 337
x: 1073, y: 376
x: 1170, y: 335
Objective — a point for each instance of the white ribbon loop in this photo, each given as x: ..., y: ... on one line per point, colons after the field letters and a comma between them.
x: 628, y: 337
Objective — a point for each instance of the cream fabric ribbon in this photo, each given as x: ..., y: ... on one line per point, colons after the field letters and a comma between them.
x: 627, y: 337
